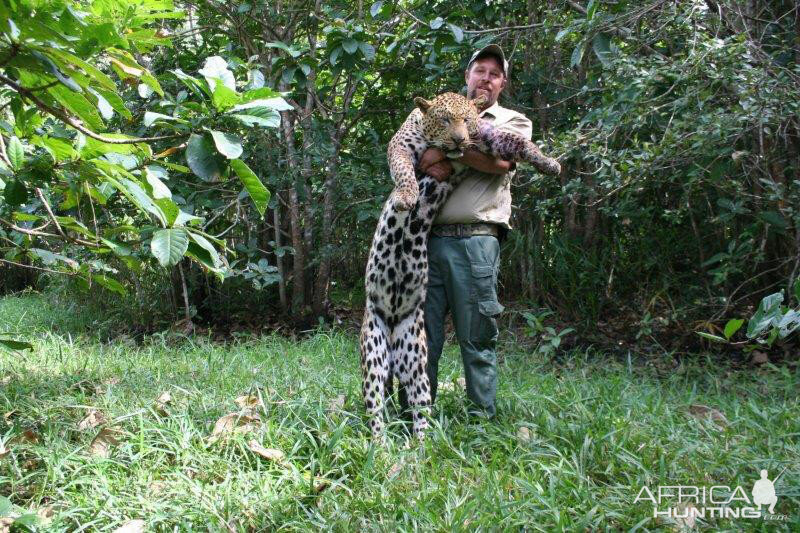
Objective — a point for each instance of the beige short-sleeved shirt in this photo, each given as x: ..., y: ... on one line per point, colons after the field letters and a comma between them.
x: 482, y: 197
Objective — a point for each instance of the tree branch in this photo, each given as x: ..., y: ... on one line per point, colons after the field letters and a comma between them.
x: 26, y: 93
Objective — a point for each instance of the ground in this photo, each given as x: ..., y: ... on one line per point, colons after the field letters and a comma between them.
x: 575, y: 439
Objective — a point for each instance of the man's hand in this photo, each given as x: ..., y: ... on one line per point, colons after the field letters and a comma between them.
x: 435, y: 164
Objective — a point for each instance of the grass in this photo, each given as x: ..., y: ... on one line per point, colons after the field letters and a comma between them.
x: 598, y: 428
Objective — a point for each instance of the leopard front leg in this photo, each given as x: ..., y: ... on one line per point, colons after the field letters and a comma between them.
x: 403, y: 152
x: 514, y: 147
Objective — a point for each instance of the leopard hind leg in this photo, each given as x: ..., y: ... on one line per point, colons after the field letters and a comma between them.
x: 410, y: 354
x: 375, y: 366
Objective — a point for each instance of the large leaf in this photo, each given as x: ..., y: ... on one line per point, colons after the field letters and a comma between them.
x: 110, y: 284
x: 16, y: 153
x: 258, y: 193
x: 201, y: 157
x: 259, y: 116
x: 216, y: 68
x: 767, y: 315
x: 228, y: 145
x: 275, y: 103
x: 601, y: 44
x: 208, y: 247
x: 169, y: 245
x: 732, y: 327
x: 577, y: 55
x: 15, y: 193
x: 77, y: 104
x: 15, y: 345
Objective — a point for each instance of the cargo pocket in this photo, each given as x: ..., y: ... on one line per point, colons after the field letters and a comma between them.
x: 485, y: 329
x: 482, y: 288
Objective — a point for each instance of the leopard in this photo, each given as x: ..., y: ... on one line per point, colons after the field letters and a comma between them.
x: 392, y: 340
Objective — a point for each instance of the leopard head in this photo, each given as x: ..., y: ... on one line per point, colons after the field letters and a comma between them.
x: 450, y: 121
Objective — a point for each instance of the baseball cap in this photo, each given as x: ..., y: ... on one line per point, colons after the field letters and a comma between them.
x: 490, y: 50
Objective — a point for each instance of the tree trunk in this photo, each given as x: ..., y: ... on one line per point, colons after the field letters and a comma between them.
x: 299, y: 259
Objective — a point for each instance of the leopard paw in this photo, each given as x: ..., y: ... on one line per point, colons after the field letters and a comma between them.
x: 404, y: 200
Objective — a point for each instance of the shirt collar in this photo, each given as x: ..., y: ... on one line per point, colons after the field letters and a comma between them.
x: 494, y: 110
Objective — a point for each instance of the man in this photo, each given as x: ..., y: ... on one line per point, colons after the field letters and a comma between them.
x: 463, y: 251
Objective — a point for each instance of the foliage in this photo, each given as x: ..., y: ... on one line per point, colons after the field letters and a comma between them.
x: 676, y: 124
x: 549, y: 338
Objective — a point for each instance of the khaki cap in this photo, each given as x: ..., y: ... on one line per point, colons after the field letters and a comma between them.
x: 490, y: 50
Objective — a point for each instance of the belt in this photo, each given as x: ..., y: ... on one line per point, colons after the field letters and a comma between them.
x: 465, y: 230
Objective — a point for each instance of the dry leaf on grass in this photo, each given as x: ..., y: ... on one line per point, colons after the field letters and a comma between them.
x: 5, y: 524
x: 247, y: 401
x: 687, y: 522
x: 29, y: 436
x: 46, y: 514
x: 234, y: 423
x: 394, y: 470
x: 524, y: 434
x: 703, y: 411
x: 3, y: 450
x: 163, y: 400
x: 759, y: 358
x: 320, y: 483
x: 131, y: 526
x: 101, y: 445
x: 461, y: 382
x: 337, y: 404
x: 5, y: 380
x: 92, y: 420
x: 267, y: 453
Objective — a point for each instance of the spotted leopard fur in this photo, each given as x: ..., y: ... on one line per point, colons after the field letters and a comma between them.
x: 393, y: 340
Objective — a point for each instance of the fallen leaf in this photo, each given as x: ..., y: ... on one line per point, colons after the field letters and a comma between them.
x: 394, y: 470
x: 337, y: 404
x: 247, y: 401
x: 92, y: 420
x: 687, y: 522
x: 524, y: 434
x: 156, y: 488
x: 267, y: 453
x: 704, y: 411
x: 462, y: 382
x: 111, y: 381
x: 234, y: 423
x: 131, y: 526
x: 759, y: 358
x: 5, y: 380
x: 320, y: 483
x: 163, y: 400
x: 5, y: 524
x: 46, y: 514
x: 101, y: 445
x: 3, y: 450
x: 29, y: 435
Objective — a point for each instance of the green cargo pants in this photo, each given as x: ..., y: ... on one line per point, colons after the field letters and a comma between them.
x: 462, y: 279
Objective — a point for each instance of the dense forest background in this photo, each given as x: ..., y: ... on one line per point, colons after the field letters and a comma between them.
x: 224, y: 162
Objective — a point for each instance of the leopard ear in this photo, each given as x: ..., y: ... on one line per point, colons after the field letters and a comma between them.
x: 480, y: 101
x: 423, y: 104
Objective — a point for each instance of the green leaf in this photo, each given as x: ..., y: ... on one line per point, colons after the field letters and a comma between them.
x: 66, y: 57
x: 797, y: 289
x: 258, y: 193
x: 216, y: 68
x: 201, y: 156
x: 159, y: 190
x: 368, y: 50
x: 773, y: 218
x: 207, y: 246
x: 16, y: 153
x: 563, y: 33
x: 458, y: 33
x: 116, y: 102
x: 436, y: 23
x: 15, y: 193
x: 228, y: 145
x: 12, y: 345
x: 169, y: 245
x: 291, y: 51
x: 732, y: 327
x: 591, y: 9
x: 170, y: 210
x: 767, y: 315
x: 223, y: 97
x: 376, y: 8
x: 711, y: 337
x: 601, y: 44
x: 272, y: 120
x: 277, y: 104
x: 258, y: 94
x: 110, y: 284
x: 577, y: 55
x: 77, y: 104
x: 134, y: 192
x: 202, y: 256
x: 150, y: 118
x: 350, y: 46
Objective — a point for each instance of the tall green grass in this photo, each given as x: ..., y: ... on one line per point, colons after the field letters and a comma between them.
x: 597, y: 428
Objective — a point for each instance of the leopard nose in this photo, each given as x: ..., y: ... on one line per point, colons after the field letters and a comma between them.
x: 458, y: 139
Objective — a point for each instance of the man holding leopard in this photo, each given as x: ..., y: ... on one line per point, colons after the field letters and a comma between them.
x: 464, y: 246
